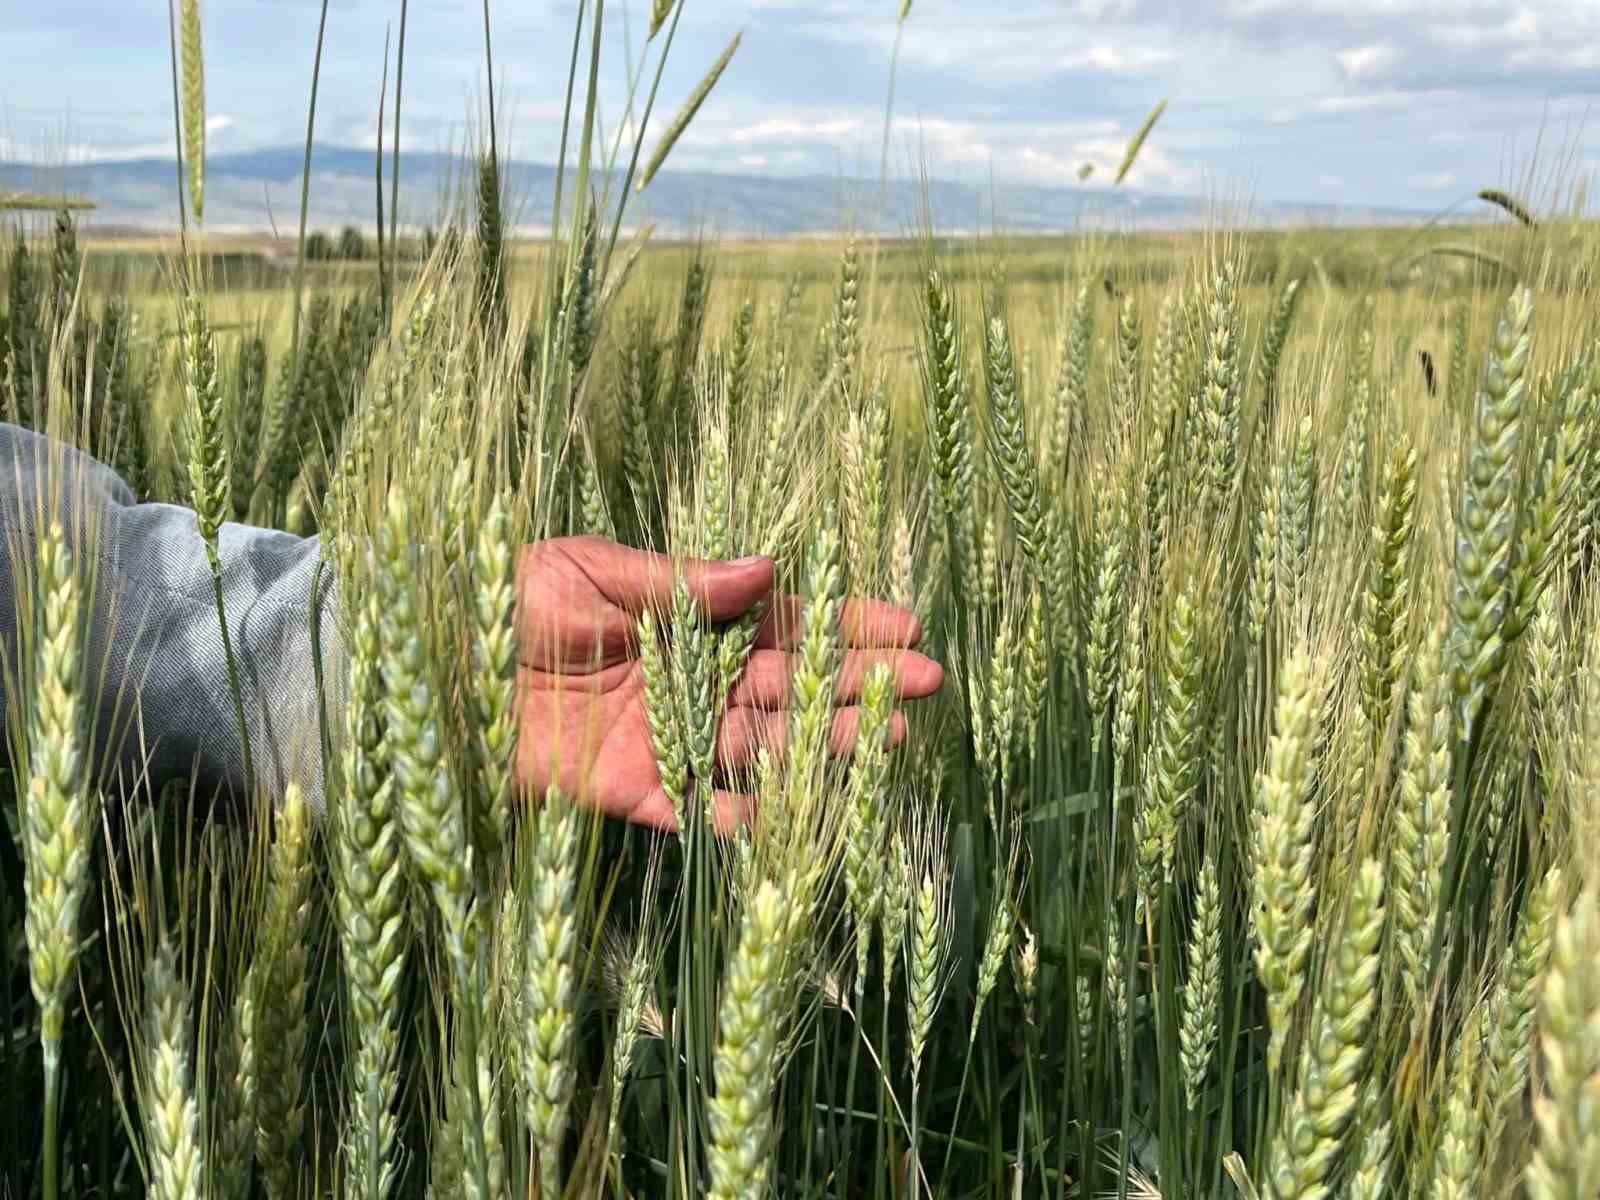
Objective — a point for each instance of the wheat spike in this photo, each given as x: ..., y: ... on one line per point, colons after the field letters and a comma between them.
x: 686, y: 114
x: 1566, y: 1158
x: 192, y: 52
x: 172, y: 1117
x: 1317, y: 1119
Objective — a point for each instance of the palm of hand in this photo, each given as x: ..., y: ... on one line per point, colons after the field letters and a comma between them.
x: 580, y: 682
x: 583, y: 724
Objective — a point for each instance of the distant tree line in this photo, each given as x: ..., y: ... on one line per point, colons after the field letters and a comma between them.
x: 352, y: 245
x: 349, y: 246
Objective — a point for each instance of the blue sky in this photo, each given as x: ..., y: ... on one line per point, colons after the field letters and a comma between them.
x: 1405, y: 102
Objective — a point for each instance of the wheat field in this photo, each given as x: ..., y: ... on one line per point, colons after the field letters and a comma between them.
x: 1244, y: 851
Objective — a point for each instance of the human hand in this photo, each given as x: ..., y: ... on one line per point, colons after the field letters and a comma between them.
x: 582, y: 720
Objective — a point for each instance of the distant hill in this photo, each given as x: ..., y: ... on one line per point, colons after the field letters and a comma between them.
x: 253, y: 190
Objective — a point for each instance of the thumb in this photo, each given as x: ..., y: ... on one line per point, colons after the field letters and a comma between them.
x: 635, y: 580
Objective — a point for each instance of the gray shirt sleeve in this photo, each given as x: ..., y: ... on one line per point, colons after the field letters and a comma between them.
x: 160, y: 703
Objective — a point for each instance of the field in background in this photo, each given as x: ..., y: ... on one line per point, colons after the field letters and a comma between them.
x: 1401, y: 268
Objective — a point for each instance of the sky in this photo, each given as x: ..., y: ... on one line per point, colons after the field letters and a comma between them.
x: 1410, y: 103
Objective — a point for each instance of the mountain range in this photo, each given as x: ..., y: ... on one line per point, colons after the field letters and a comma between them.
x: 259, y: 190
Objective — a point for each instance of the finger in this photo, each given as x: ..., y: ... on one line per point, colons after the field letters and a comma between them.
x: 897, y: 728
x: 730, y: 810
x: 746, y: 732
x: 916, y: 676
x: 768, y: 676
x: 569, y: 682
x: 864, y: 624
x: 635, y: 580
x: 870, y: 624
x: 847, y: 729
x: 655, y: 811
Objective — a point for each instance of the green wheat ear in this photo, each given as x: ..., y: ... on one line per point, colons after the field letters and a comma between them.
x: 194, y: 103
x: 660, y: 10
x: 686, y: 114
x: 1010, y: 451
x: 1334, y: 1058
x: 57, y: 813
x: 1487, y: 515
x: 749, y: 1028
x: 172, y: 1114
x: 1566, y: 1160
x: 1136, y: 143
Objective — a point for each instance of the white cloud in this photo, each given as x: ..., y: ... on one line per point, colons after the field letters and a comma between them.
x: 1521, y: 26
x: 786, y: 129
x: 829, y: 140
x: 1557, y: 59
x: 1359, y: 61
x: 1363, y: 101
x: 1113, y: 61
x: 72, y: 153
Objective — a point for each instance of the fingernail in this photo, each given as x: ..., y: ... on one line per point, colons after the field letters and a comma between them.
x: 751, y: 561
